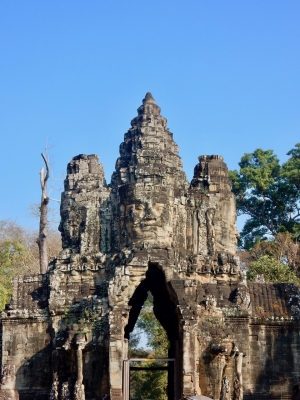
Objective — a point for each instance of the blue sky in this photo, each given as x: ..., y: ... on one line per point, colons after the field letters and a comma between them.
x: 225, y: 73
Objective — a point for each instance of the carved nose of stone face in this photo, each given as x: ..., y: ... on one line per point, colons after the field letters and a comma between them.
x: 149, y: 218
x: 150, y: 215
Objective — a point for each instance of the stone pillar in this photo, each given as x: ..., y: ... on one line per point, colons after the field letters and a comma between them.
x: 79, y: 386
x: 189, y: 358
x: 238, y: 380
x: 216, y: 369
x: 117, y: 351
x: 65, y: 392
x: 54, y: 391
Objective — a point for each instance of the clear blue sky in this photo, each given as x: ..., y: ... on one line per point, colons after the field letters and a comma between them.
x: 225, y: 73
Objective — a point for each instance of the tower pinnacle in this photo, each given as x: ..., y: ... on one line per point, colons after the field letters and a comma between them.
x: 148, y: 98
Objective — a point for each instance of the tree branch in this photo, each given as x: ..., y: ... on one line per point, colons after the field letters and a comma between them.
x: 47, y: 168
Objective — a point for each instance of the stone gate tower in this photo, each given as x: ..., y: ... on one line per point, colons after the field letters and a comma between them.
x: 65, y: 334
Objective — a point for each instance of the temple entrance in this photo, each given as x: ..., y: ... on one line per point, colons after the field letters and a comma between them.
x: 161, y: 363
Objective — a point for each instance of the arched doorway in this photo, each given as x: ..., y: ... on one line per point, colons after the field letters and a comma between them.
x: 166, y: 311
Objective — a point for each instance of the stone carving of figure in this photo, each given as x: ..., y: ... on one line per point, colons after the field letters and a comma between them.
x: 211, y: 246
x: 70, y: 227
x: 216, y: 368
x: 54, y: 391
x: 242, y: 298
x: 209, y: 301
x: 65, y: 392
x: 7, y: 375
x: 235, y: 265
x: 79, y: 391
x: 223, y: 263
x: 239, y: 364
x: 118, y: 284
x: 238, y: 380
x: 243, y: 277
x: 236, y: 389
x: 225, y: 392
x: 7, y: 384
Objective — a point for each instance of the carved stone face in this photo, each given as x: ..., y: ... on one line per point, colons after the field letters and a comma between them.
x: 147, y: 221
x: 236, y: 260
x: 225, y: 227
x: 70, y: 227
x: 223, y: 258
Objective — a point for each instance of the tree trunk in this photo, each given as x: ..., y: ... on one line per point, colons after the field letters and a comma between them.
x: 42, y: 239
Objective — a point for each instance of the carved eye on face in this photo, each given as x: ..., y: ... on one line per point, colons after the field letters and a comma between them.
x: 131, y: 212
x: 159, y: 207
x: 161, y: 211
x: 138, y: 212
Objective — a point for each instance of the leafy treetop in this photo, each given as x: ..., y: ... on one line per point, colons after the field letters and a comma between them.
x: 269, y: 194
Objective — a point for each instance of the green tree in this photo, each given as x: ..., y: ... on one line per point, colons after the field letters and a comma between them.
x: 283, y: 248
x: 291, y: 174
x: 271, y: 270
x: 19, y: 254
x: 269, y: 194
x: 11, y: 254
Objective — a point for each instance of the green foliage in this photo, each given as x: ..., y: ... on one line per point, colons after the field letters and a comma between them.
x: 283, y: 248
x: 19, y: 254
x: 291, y: 168
x: 156, y: 335
x: 12, y: 253
x: 148, y: 384
x: 269, y: 194
x: 272, y: 270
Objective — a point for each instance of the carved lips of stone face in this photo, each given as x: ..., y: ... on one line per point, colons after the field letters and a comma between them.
x: 148, y: 222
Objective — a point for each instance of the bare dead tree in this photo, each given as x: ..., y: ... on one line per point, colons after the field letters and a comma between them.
x: 42, y: 238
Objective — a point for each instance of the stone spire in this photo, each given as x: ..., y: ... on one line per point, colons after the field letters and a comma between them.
x: 85, y: 190
x: 211, y: 174
x: 147, y: 180
x: 148, y: 150
x: 148, y: 111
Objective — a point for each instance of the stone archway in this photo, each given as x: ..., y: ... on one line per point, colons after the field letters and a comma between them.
x: 166, y: 311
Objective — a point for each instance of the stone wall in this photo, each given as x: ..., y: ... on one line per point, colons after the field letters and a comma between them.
x: 26, y: 340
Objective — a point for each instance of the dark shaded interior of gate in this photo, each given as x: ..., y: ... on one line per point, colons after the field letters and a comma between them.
x: 165, y: 310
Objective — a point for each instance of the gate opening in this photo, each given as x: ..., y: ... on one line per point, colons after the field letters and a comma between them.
x: 160, y: 365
